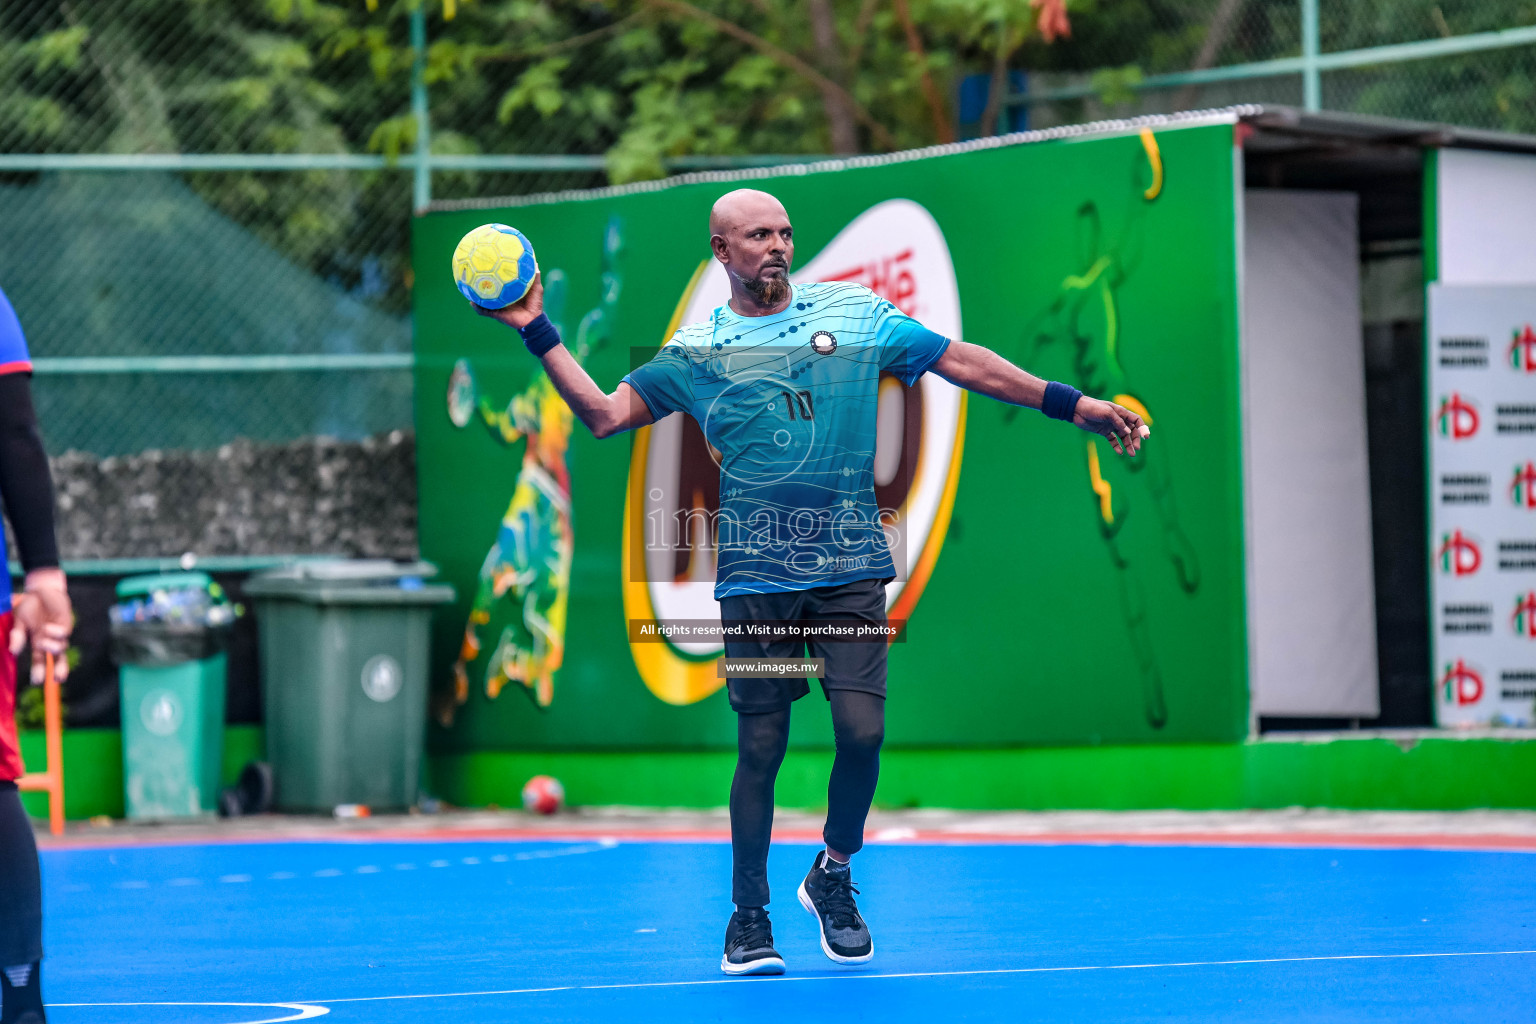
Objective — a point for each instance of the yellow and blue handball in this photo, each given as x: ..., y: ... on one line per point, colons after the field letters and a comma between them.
x: 493, y: 265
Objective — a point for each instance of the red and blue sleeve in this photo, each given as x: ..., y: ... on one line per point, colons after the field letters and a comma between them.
x: 13, y: 344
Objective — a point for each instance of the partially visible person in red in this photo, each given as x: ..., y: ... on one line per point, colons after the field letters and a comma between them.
x: 40, y: 616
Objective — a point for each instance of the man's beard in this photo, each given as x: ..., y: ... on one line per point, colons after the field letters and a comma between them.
x: 768, y: 291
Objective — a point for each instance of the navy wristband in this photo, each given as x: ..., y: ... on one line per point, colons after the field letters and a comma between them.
x: 540, y: 335
x: 1060, y: 400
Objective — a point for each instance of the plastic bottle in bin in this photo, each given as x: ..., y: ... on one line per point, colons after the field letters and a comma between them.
x: 186, y: 619
x: 189, y: 606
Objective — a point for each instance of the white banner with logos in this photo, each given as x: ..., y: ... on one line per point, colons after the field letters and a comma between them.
x: 1482, y: 463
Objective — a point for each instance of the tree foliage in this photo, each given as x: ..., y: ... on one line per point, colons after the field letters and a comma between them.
x: 644, y: 80
x: 641, y: 81
x: 216, y: 76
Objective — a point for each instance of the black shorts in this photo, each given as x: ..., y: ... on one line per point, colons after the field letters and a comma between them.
x: 849, y: 665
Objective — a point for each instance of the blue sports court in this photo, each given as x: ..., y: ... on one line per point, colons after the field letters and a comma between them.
x: 609, y: 927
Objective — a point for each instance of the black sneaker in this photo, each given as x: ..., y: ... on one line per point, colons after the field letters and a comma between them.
x: 749, y: 944
x: 22, y: 1004
x: 827, y: 892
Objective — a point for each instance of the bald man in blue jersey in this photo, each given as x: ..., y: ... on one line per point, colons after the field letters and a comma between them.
x: 783, y: 380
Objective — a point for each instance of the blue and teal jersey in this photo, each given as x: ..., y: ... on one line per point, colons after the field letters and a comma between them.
x: 13, y: 359
x: 789, y: 401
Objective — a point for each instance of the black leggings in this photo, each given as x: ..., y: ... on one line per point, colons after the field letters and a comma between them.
x: 21, y: 891
x: 858, y: 723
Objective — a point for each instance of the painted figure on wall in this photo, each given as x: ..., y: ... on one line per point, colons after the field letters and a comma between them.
x: 527, y: 570
x: 1085, y: 318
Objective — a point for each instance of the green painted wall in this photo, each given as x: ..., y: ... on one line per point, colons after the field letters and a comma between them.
x: 1359, y: 774
x: 93, y: 768
x: 1022, y: 636
x: 1366, y: 774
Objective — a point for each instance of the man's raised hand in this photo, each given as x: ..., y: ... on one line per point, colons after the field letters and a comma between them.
x: 521, y: 313
x: 1124, y: 428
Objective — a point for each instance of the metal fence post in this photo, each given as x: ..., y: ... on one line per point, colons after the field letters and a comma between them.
x: 422, y: 193
x: 1311, y: 79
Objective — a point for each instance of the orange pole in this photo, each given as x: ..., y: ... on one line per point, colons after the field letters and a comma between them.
x: 51, y: 779
x: 53, y: 735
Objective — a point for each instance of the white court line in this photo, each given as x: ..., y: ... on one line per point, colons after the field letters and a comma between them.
x: 784, y: 979
x: 306, y: 1011
x: 594, y: 846
x: 568, y: 851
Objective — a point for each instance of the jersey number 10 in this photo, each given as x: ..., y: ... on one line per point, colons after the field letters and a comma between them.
x: 803, y: 399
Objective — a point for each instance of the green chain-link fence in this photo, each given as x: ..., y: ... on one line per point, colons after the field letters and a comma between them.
x: 205, y: 204
x: 204, y: 227
x: 196, y: 323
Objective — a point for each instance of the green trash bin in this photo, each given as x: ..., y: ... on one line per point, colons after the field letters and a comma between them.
x: 169, y: 633
x: 344, y: 648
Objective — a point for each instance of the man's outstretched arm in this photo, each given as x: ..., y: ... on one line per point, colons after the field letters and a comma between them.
x: 985, y: 372
x: 601, y: 413
x: 604, y: 415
